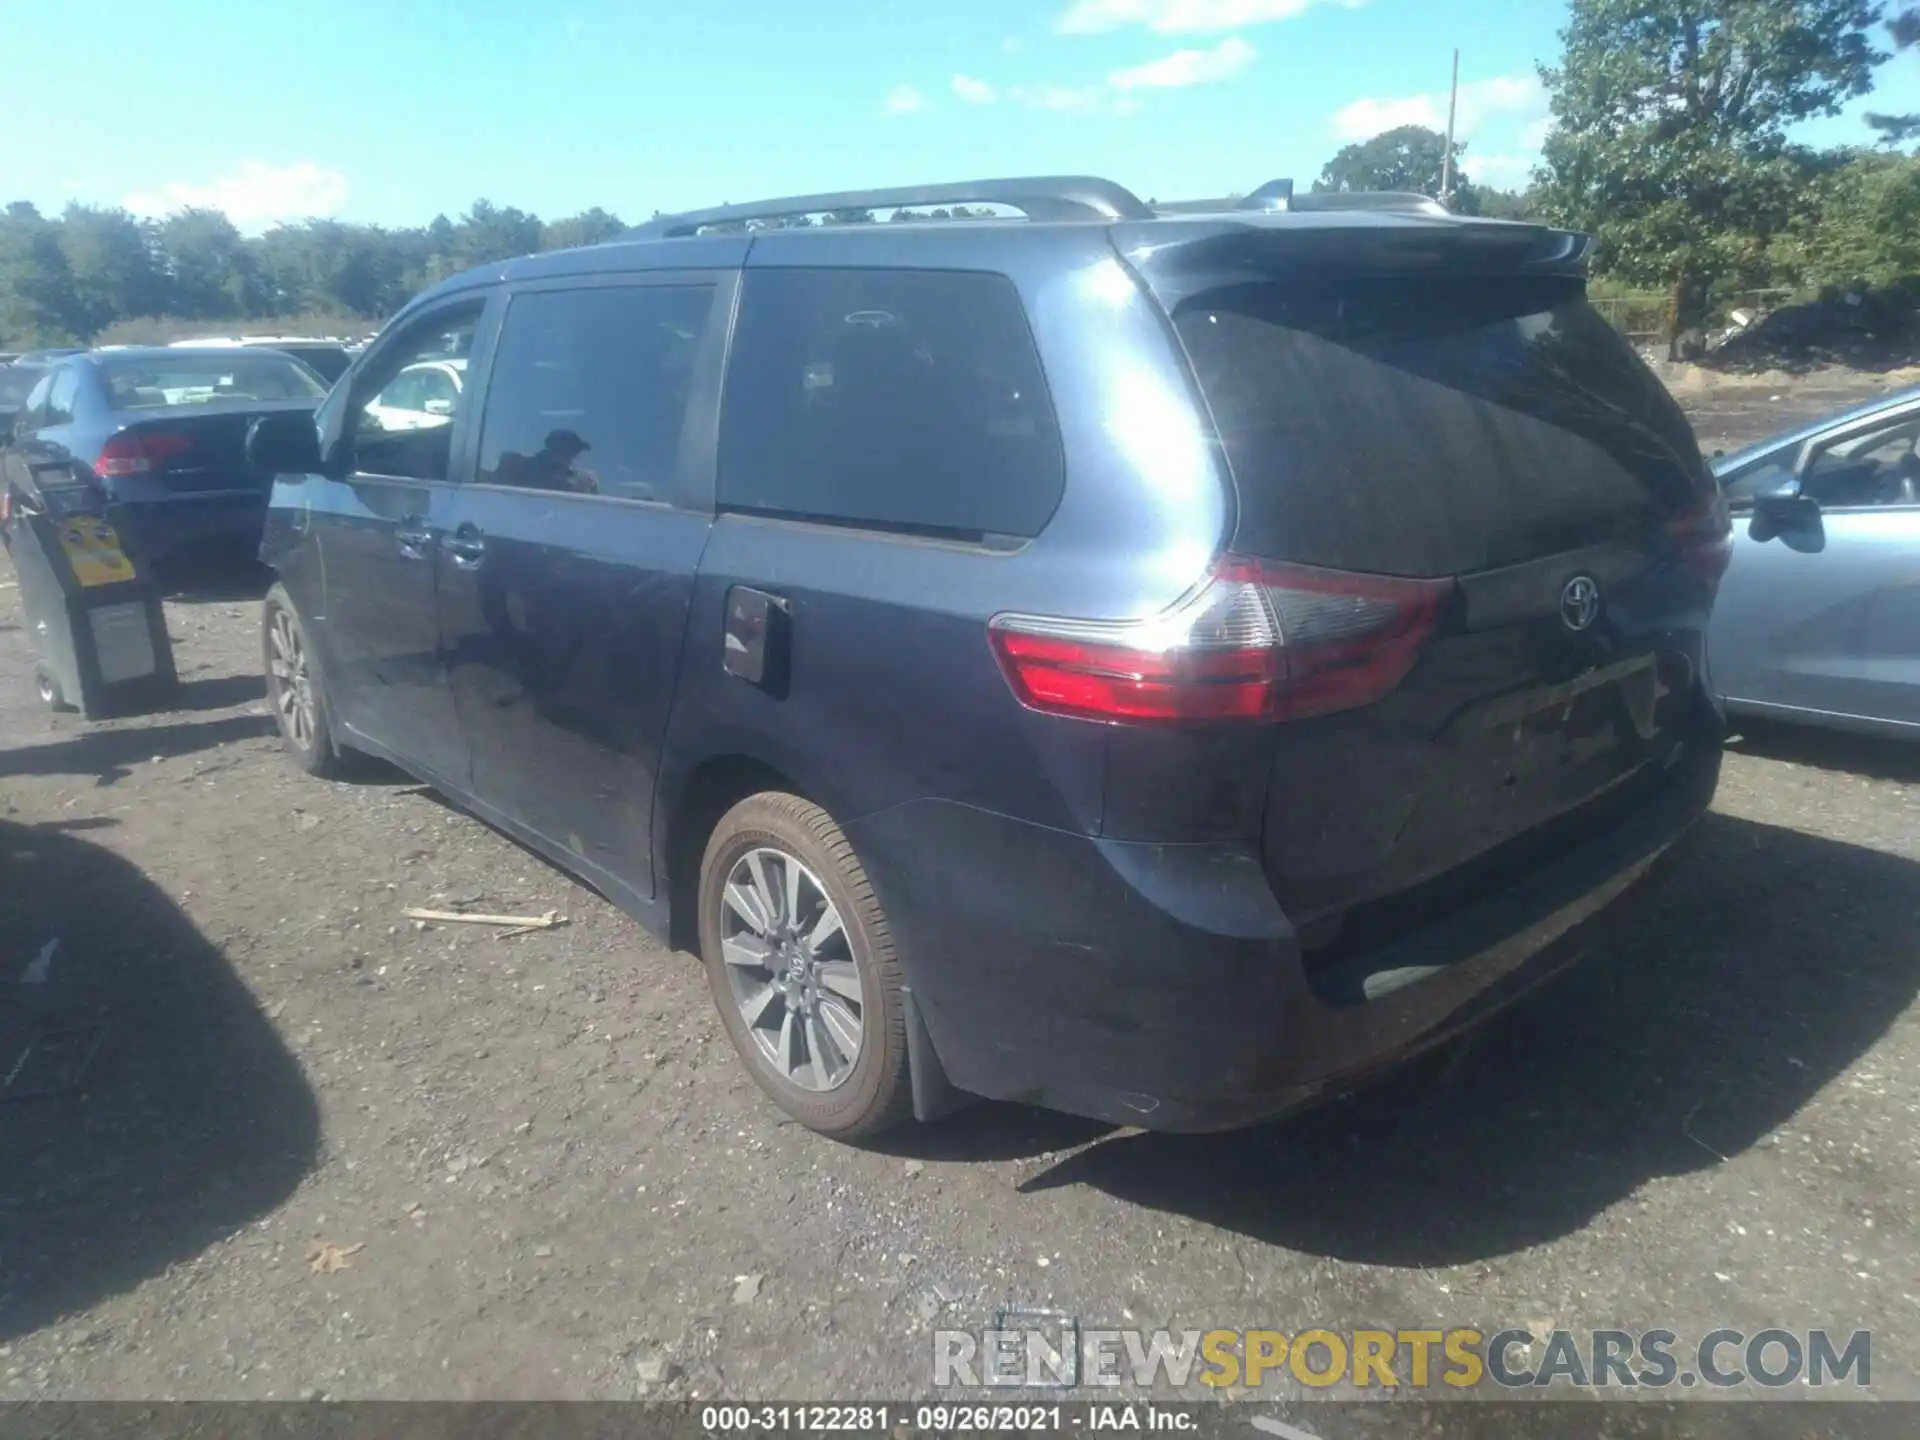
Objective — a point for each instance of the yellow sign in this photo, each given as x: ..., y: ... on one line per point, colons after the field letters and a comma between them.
x: 93, y: 550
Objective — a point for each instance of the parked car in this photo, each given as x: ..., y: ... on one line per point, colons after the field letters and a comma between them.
x: 328, y: 359
x: 1819, y: 618
x: 162, y: 432
x: 44, y: 357
x: 421, y: 397
x: 1157, y: 667
x: 16, y: 383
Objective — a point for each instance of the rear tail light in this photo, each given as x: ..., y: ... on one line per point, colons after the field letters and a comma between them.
x: 139, y: 452
x: 1703, y: 533
x: 1259, y: 640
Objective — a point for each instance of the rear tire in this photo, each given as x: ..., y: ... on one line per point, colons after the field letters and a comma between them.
x: 802, y: 968
x: 295, y: 693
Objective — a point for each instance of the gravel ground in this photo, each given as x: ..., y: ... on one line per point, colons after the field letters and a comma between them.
x: 315, y: 1148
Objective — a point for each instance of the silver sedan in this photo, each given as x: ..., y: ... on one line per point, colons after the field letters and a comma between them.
x: 1818, y: 618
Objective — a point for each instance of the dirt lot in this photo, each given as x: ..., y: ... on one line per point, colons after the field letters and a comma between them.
x: 542, y: 1172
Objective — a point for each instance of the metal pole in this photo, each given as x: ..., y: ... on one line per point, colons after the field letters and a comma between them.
x: 1446, y: 160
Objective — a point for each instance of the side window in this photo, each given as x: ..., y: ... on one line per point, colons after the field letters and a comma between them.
x: 60, y: 398
x: 590, y: 389
x: 437, y: 391
x: 1874, y: 468
x: 34, y: 411
x: 1760, y: 477
x: 897, y: 399
x: 394, y: 431
x: 403, y: 393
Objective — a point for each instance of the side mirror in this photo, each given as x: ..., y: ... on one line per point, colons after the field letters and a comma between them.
x: 1784, y: 512
x: 284, y: 445
x: 439, y: 407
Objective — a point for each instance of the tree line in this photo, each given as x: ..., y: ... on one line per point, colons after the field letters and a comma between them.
x: 1670, y: 142
x: 95, y: 271
x: 71, y: 276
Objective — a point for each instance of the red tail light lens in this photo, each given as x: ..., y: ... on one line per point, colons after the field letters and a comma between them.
x: 139, y: 452
x: 1703, y: 532
x: 1259, y: 640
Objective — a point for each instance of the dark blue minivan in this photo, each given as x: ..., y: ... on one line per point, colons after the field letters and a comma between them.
x: 1160, y: 666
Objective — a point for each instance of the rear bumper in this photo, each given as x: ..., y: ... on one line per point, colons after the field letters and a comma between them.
x: 1162, y: 986
x: 158, y: 525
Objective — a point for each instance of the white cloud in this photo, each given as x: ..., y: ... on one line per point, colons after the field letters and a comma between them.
x: 1059, y: 97
x: 1186, y: 67
x: 974, y: 92
x: 1180, y: 17
x: 254, y: 194
x: 904, y: 100
x: 1519, y: 97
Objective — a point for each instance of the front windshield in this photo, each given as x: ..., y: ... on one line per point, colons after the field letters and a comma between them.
x: 163, y: 380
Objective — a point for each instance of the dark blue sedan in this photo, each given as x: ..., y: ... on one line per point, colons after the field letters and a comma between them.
x: 160, y: 432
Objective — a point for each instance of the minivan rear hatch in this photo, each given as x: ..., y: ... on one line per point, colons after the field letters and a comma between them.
x: 1397, y: 397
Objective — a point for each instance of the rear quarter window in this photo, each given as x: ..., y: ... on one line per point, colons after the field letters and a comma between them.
x: 909, y: 400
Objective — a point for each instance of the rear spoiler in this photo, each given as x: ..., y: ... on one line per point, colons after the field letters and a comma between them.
x: 1182, y: 256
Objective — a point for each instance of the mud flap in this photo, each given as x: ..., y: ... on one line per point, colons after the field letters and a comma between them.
x: 934, y: 1096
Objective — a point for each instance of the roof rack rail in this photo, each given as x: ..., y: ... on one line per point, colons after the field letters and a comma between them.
x: 1041, y: 197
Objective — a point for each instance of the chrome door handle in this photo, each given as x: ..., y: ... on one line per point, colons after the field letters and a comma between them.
x: 413, y: 538
x: 466, y: 547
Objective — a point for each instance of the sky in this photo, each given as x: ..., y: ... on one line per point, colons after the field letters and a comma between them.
x: 392, y: 111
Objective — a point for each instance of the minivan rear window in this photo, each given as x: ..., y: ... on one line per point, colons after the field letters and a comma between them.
x: 893, y: 399
x: 1433, y: 426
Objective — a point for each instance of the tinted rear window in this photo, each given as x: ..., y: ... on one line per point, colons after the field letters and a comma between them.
x: 897, y: 399
x: 1436, y: 426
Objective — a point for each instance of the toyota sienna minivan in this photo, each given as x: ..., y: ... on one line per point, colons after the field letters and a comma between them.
x: 1160, y: 666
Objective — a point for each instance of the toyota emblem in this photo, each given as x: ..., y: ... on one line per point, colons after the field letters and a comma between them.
x: 1580, y: 602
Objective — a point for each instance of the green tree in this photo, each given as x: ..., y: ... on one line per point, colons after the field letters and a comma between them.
x: 1862, y: 225
x: 589, y: 227
x: 115, y: 267
x: 211, y: 268
x: 36, y: 289
x: 489, y: 233
x: 1670, y: 120
x: 1503, y: 204
x: 1407, y: 157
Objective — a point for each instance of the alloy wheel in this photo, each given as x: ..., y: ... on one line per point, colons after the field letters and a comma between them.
x: 791, y: 969
x: 292, y: 680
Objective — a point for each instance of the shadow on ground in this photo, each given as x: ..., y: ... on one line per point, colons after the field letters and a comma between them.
x: 1752, y: 969
x: 107, y: 755
x: 219, y: 692
x: 148, y: 1110
x: 215, y: 577
x: 1869, y: 755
